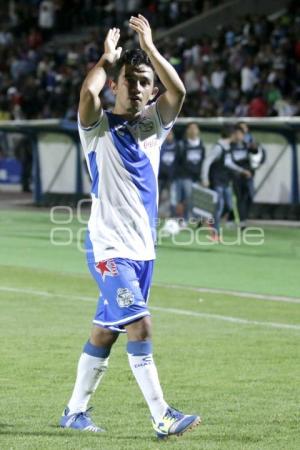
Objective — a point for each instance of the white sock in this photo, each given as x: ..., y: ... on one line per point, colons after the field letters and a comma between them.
x: 145, y: 372
x: 90, y: 371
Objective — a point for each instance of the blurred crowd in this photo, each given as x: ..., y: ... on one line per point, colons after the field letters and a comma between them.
x: 249, y: 69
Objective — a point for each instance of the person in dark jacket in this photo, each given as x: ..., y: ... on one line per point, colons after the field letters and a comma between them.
x: 216, y: 174
x: 168, y: 166
x: 188, y: 170
x: 249, y: 155
x: 24, y: 154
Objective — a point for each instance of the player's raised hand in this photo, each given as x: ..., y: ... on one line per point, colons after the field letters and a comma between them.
x: 110, y: 45
x: 141, y: 25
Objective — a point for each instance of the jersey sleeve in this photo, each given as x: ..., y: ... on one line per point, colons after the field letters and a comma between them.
x: 213, y: 155
x: 89, y: 135
x: 161, y: 130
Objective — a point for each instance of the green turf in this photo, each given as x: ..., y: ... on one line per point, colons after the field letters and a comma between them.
x: 243, y: 378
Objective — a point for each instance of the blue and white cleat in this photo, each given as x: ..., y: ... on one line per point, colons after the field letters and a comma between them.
x: 79, y: 421
x: 175, y: 423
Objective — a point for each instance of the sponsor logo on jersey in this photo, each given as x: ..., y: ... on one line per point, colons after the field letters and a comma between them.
x: 107, y: 268
x: 125, y: 297
x: 150, y: 143
x: 146, y: 124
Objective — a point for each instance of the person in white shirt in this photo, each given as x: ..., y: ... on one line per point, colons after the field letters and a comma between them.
x: 46, y: 18
x: 248, y: 78
x: 122, y: 153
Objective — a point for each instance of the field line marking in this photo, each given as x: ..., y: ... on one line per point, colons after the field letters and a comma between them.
x: 182, y: 312
x: 219, y: 291
x: 226, y: 318
x: 45, y: 293
x: 268, y: 297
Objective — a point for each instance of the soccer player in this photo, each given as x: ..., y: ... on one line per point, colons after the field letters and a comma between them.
x: 122, y: 153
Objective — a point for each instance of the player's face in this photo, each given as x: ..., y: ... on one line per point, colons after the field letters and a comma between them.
x: 135, y: 87
x: 170, y: 136
x: 239, y: 136
x: 244, y: 127
x: 193, y: 131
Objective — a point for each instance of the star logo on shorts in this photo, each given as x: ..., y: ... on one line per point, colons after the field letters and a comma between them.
x: 107, y: 268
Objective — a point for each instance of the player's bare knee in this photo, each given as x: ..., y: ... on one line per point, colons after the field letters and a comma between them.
x: 102, y: 337
x: 141, y: 330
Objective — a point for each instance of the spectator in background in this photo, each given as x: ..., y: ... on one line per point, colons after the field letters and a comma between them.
x: 216, y: 172
x: 248, y: 155
x: 242, y: 109
x: 189, y: 163
x: 258, y: 107
x: 46, y: 19
x: 23, y: 152
x: 4, y: 109
x: 191, y: 80
x: 218, y: 78
x: 285, y: 107
x: 250, y: 68
x: 248, y: 78
x: 167, y: 169
x: 6, y: 37
x: 34, y: 39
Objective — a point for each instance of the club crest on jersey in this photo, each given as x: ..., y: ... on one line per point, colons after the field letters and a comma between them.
x: 107, y: 268
x: 146, y: 124
x: 124, y: 297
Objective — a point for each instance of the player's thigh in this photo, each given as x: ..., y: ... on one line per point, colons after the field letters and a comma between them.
x: 228, y: 198
x: 176, y: 192
x: 187, y: 187
x: 122, y: 300
x: 173, y: 197
x: 220, y: 202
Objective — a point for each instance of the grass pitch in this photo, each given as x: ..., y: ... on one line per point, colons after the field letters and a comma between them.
x: 233, y: 359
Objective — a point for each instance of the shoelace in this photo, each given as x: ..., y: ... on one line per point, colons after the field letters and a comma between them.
x: 83, y: 413
x: 173, y: 413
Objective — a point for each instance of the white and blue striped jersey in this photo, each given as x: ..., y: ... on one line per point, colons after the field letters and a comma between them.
x: 123, y: 162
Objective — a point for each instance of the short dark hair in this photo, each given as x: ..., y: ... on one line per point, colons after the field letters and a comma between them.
x: 193, y: 123
x: 227, y: 131
x: 238, y: 127
x: 134, y: 57
x: 188, y: 126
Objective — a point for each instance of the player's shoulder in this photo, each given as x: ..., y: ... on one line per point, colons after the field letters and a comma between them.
x: 151, y: 114
x: 93, y: 127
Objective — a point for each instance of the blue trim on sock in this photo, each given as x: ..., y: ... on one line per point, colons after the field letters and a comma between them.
x: 139, y: 348
x: 97, y: 352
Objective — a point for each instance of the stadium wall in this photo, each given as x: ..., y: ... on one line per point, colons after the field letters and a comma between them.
x: 59, y: 167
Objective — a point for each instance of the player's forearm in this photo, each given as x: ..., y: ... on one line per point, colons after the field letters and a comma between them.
x: 96, y: 78
x: 166, y: 73
x: 230, y: 164
x: 205, y: 173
